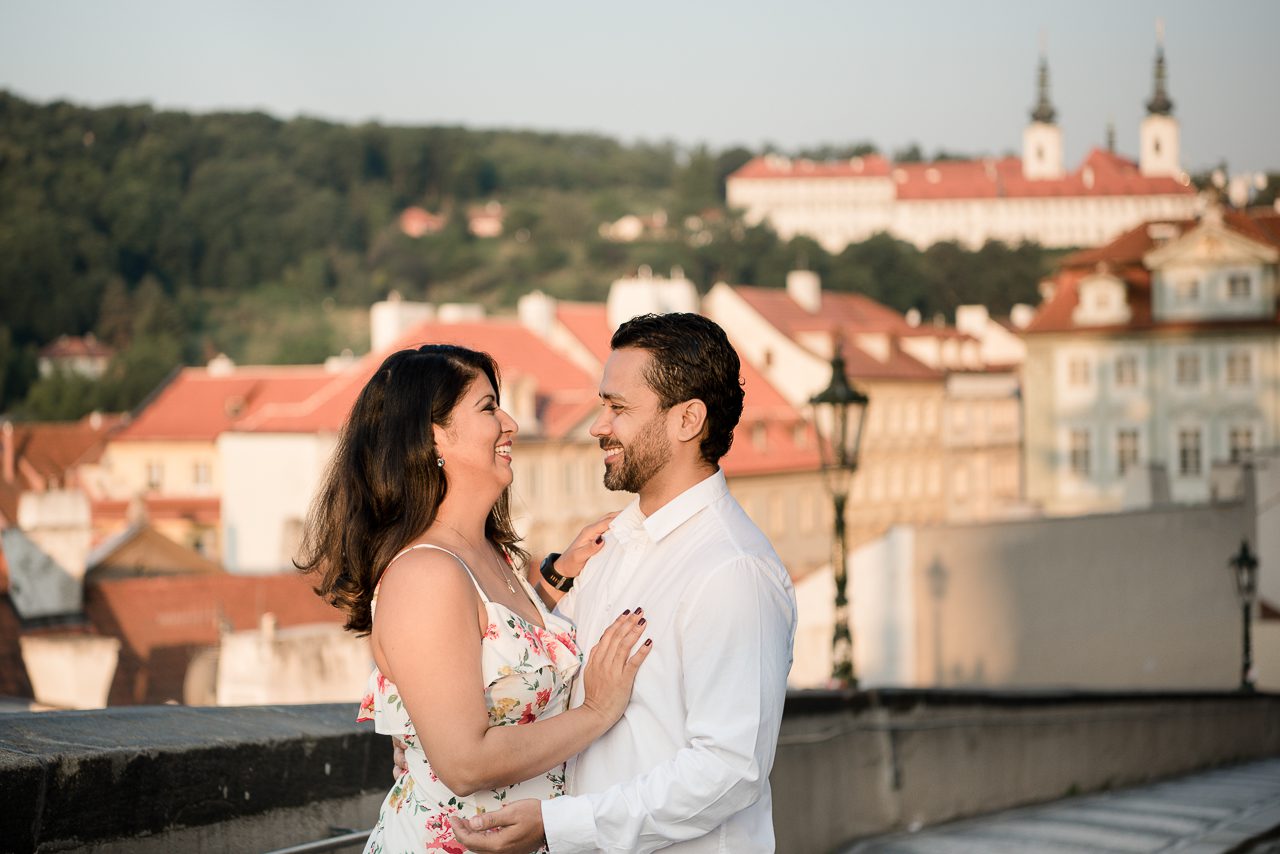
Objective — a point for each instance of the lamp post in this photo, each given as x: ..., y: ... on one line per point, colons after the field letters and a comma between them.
x: 840, y: 408
x: 1244, y: 569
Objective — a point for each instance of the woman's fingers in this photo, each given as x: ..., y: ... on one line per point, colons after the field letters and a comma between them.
x: 619, y: 637
x: 634, y: 662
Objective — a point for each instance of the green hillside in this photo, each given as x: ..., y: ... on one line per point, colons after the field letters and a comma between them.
x: 175, y: 236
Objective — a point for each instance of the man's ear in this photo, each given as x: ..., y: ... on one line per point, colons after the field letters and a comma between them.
x: 690, y: 419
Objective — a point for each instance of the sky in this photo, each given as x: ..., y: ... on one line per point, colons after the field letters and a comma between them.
x: 958, y: 76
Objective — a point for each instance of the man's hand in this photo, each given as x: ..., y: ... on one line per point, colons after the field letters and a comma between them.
x: 514, y: 829
x: 401, y: 764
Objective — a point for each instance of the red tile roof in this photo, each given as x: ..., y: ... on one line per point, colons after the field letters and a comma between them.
x: 1123, y: 258
x: 199, y: 405
x: 46, y: 454
x: 773, y: 166
x: 561, y: 385
x: 765, y: 440
x: 1103, y: 173
x: 163, y: 622
x: 203, y: 510
x: 589, y: 323
x: 847, y: 315
x: 73, y: 346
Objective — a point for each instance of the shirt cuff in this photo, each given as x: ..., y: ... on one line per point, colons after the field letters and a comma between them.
x: 569, y: 825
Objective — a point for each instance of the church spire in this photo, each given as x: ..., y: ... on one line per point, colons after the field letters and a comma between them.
x: 1043, y: 111
x: 1160, y: 103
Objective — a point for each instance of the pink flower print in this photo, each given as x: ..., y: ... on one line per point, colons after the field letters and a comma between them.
x: 383, y: 682
x: 366, y: 709
x: 491, y: 631
x: 569, y: 640
x: 543, y: 697
x: 442, y: 838
x: 528, y: 717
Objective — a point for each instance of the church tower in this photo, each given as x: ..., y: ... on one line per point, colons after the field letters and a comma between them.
x: 1158, y: 137
x: 1042, y: 139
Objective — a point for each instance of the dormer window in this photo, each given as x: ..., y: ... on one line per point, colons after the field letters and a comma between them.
x: 1102, y: 302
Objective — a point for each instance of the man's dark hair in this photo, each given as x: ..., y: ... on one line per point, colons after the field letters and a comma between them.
x: 691, y: 357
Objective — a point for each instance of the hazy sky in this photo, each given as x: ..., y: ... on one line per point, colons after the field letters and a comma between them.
x: 946, y: 74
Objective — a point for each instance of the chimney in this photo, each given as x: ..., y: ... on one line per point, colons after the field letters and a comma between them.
x: 8, y: 440
x: 805, y: 288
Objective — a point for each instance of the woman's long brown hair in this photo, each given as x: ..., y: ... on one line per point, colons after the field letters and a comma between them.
x: 383, y: 487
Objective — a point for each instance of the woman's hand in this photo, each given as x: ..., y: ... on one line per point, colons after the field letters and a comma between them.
x: 589, y: 541
x: 611, y: 667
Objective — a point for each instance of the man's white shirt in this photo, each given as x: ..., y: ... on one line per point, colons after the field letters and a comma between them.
x: 688, y: 764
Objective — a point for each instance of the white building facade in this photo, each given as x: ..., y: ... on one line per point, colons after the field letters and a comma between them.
x: 1012, y: 199
x: 1159, y: 352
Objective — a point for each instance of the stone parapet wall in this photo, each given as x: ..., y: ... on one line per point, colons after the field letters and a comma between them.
x: 855, y: 765
x: 175, y: 778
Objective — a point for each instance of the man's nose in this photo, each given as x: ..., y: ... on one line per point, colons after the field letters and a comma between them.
x: 600, y: 427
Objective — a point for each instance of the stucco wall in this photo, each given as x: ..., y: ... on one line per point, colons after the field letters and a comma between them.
x: 1140, y: 599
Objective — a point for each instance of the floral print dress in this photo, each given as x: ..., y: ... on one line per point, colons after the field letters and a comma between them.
x: 528, y: 671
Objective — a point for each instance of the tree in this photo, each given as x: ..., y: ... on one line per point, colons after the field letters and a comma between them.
x: 909, y: 154
x: 61, y: 396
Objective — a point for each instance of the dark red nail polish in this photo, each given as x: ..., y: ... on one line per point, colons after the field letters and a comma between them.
x: 628, y: 611
x: 642, y: 621
x: 599, y: 539
x: 639, y: 610
x: 649, y: 642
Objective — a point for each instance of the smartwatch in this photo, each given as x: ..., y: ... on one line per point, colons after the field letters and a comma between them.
x: 553, y: 578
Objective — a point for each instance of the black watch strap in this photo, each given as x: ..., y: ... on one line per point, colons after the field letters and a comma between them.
x: 549, y: 574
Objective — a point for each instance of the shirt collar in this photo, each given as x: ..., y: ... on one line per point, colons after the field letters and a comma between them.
x: 684, y: 506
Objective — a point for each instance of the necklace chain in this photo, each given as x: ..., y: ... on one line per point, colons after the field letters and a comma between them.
x: 505, y: 575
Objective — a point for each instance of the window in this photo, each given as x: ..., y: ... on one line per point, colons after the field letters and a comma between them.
x: 1078, y: 371
x: 200, y: 473
x: 1126, y: 450
x: 1240, y: 440
x: 1239, y: 368
x: 1239, y: 286
x: 1080, y: 452
x: 759, y: 437
x: 1188, y: 290
x: 155, y: 474
x: 1187, y: 369
x: 1189, y: 452
x: 1126, y: 371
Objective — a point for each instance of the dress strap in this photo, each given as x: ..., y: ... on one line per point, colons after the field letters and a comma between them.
x: 470, y: 574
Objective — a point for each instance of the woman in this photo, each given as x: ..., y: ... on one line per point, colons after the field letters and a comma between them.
x: 412, y: 538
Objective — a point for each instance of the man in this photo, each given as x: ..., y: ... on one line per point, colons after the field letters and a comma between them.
x: 688, y: 764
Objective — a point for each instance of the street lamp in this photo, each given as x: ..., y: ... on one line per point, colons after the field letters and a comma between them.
x: 840, y: 408
x: 1244, y: 568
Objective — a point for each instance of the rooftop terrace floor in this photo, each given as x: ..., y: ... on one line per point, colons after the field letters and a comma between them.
x: 1212, y: 812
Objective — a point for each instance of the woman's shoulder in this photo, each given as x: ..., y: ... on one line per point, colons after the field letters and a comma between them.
x: 421, y: 567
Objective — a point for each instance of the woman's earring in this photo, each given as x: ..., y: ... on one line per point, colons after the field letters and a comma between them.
x: 440, y: 462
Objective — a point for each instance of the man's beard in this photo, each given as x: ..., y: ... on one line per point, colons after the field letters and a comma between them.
x: 641, y: 460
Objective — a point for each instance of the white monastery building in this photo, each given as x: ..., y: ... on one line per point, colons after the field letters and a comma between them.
x: 1031, y: 198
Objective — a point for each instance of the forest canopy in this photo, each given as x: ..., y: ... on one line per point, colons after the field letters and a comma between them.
x: 173, y: 236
